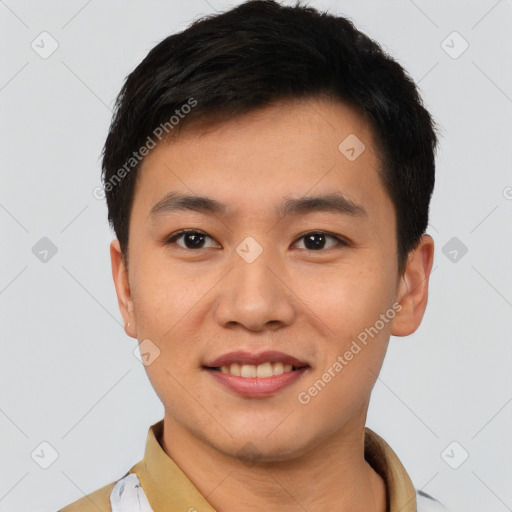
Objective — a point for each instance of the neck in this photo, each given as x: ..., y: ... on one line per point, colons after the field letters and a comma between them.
x: 334, y: 475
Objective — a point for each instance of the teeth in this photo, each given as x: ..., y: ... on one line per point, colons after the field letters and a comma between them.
x: 278, y: 369
x: 248, y: 370
x: 261, y: 371
x: 234, y: 369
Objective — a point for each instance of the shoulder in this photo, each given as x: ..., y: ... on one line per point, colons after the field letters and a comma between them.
x: 97, y: 501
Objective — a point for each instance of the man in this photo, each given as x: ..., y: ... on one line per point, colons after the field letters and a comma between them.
x: 268, y: 174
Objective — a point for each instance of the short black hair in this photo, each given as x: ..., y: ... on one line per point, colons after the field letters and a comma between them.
x: 255, y: 55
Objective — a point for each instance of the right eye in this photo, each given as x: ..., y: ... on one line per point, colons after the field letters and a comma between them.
x: 193, y: 239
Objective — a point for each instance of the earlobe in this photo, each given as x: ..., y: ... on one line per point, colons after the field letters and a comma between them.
x: 122, y: 286
x: 413, y: 289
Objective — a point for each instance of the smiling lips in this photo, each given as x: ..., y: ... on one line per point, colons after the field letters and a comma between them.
x: 256, y: 375
x: 263, y: 370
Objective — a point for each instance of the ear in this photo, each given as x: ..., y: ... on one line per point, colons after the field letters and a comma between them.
x: 413, y: 288
x: 124, y: 300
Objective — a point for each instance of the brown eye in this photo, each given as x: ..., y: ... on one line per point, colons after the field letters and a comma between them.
x: 316, y: 240
x: 191, y: 239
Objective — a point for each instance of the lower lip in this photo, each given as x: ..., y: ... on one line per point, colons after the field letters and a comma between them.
x: 254, y: 387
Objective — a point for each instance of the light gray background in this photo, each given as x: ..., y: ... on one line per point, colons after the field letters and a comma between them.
x: 68, y: 373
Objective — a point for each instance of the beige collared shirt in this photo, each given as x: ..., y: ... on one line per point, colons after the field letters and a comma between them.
x: 169, y: 490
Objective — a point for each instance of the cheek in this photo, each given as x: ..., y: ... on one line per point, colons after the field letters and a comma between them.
x: 342, y: 383
x: 163, y: 297
x: 170, y: 310
x: 354, y: 299
x: 338, y: 392
x: 358, y: 309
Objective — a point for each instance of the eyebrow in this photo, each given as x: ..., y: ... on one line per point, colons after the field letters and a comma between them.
x: 334, y: 202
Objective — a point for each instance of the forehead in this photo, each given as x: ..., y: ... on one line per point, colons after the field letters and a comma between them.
x: 291, y: 149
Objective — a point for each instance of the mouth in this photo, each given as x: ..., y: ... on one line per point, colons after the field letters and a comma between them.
x: 256, y: 375
x: 261, y: 371
x: 260, y: 365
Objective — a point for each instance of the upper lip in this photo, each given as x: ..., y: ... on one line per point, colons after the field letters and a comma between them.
x: 244, y: 357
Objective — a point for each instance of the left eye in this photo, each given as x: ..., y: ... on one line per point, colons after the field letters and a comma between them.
x: 314, y: 240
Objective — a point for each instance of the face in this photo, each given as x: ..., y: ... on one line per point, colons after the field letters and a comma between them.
x: 255, y: 318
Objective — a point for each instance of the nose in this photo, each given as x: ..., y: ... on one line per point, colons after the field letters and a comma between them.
x: 255, y: 295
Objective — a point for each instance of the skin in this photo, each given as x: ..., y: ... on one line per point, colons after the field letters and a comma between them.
x: 197, y: 304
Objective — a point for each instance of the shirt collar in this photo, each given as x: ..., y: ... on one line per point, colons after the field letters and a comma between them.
x: 168, y: 488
